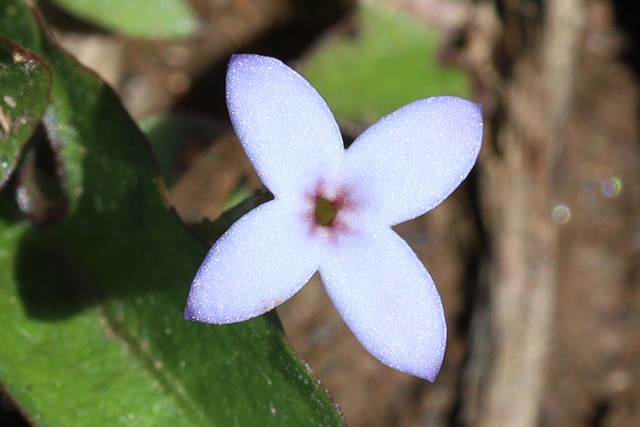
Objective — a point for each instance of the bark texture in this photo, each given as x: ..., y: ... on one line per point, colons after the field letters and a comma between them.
x: 560, y: 206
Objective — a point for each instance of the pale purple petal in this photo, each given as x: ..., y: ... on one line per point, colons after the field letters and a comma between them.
x: 387, y: 298
x: 262, y: 260
x: 411, y: 160
x: 285, y: 127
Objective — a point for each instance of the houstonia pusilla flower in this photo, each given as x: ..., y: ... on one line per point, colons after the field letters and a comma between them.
x: 333, y: 211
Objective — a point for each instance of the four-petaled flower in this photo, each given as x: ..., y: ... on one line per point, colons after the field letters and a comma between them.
x: 333, y: 211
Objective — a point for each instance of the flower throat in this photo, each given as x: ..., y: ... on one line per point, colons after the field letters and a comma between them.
x: 325, y: 211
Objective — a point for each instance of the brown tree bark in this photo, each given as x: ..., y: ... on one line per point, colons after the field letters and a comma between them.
x: 560, y: 205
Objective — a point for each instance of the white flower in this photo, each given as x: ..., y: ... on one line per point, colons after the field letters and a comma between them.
x: 333, y: 211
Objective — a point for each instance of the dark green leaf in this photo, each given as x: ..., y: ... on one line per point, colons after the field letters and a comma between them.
x: 25, y: 82
x: 92, y: 307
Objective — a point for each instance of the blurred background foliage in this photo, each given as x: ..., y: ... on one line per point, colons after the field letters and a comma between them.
x: 152, y: 19
x: 389, y: 59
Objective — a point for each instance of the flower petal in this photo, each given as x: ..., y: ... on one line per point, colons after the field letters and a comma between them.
x: 284, y: 125
x: 411, y: 160
x: 387, y: 298
x: 260, y: 262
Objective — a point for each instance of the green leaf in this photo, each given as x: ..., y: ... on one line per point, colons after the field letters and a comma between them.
x: 152, y: 19
x: 25, y: 81
x: 92, y: 307
x: 19, y: 27
x: 389, y: 62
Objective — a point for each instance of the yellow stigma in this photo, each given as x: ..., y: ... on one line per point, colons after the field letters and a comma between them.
x: 325, y: 211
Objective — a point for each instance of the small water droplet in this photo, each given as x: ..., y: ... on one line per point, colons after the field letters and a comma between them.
x: 10, y: 101
x: 18, y: 58
x: 561, y: 214
x: 185, y: 26
x: 611, y: 187
x: 24, y: 200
